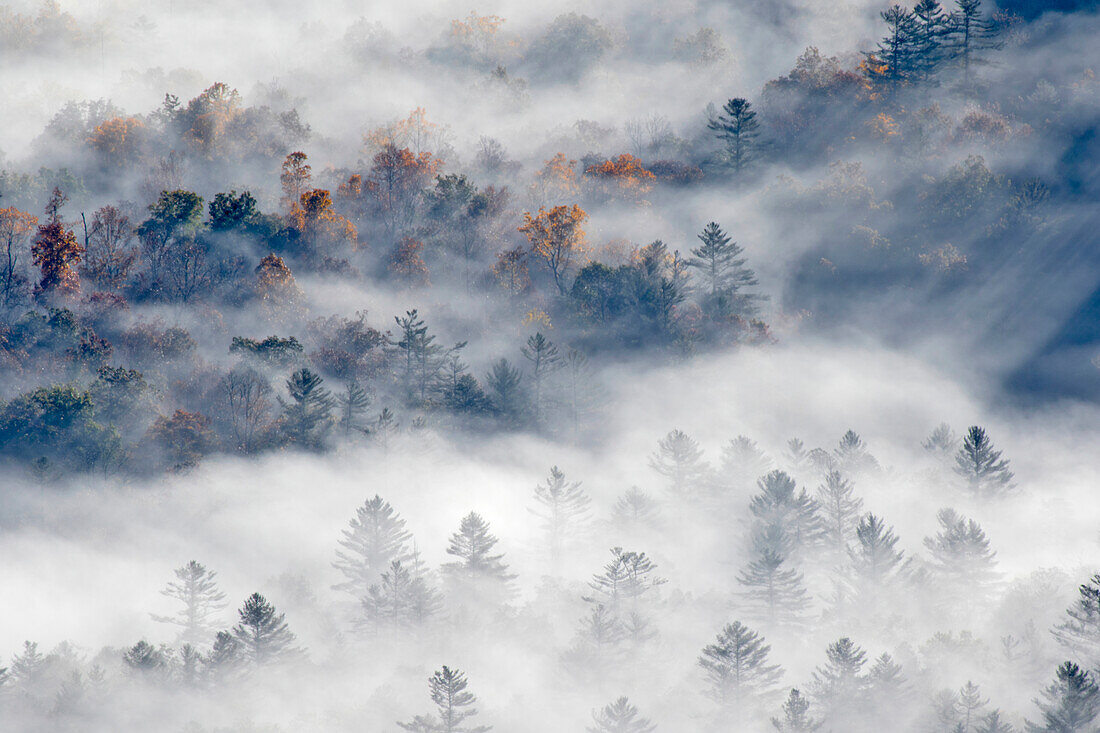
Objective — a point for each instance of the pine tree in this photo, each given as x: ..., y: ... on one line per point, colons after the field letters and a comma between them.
x: 454, y: 705
x: 262, y: 633
x: 484, y: 573
x: 840, y: 685
x: 738, y: 129
x: 794, y: 516
x: 992, y: 723
x: 743, y: 462
x: 597, y: 646
x: 423, y: 359
x: 28, y: 668
x: 840, y: 510
x: 634, y: 510
x: 620, y: 717
x: 505, y: 392
x: 986, y: 474
x: 353, y: 403
x: 307, y: 417
x: 723, y: 271
x: 680, y: 460
x: 970, y: 704
x: 737, y: 668
x: 145, y: 659
x: 930, y: 29
x: 225, y: 657
x: 851, y: 455
x: 625, y: 579
x: 375, y: 537
x: 796, y: 718
x: 876, y: 561
x: 892, y: 62
x: 400, y: 599
x: 562, y: 508
x: 201, y: 599
x: 942, y: 442
x: 545, y: 360
x: 1080, y: 633
x: 776, y: 594
x: 189, y: 661
x: 961, y: 556
x: 969, y: 34
x: 1070, y: 704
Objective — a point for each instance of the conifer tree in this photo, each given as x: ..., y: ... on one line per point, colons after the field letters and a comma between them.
x: 262, y: 633
x: 28, y: 668
x: 892, y: 62
x: 775, y: 593
x: 545, y: 360
x: 375, y: 537
x: 796, y: 718
x: 454, y: 705
x: 625, y: 580
x: 197, y: 590
x: 840, y: 685
x: 969, y: 33
x: 961, y: 555
x: 620, y: 717
x: 226, y: 656
x: 680, y: 460
x: 840, y: 510
x: 307, y: 417
x: 724, y: 274
x: 145, y: 659
x: 1070, y: 704
x: 992, y: 723
x: 1080, y: 633
x: 634, y: 510
x: 779, y: 509
x: 942, y: 442
x: 563, y: 506
x: 400, y: 599
x: 742, y: 463
x: 422, y: 358
x: 876, y: 561
x: 482, y: 573
x: 930, y: 29
x: 738, y: 129
x: 970, y: 704
x: 505, y: 392
x: 353, y: 403
x: 736, y: 667
x: 985, y: 472
x: 852, y: 456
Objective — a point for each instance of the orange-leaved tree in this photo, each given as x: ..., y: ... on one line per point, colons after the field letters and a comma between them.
x: 623, y: 176
x: 276, y: 287
x: 295, y: 179
x: 317, y: 223
x: 55, y: 251
x: 15, y: 228
x: 556, y: 238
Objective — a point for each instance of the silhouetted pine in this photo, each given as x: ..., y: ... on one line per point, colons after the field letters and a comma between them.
x: 619, y: 717
x: 738, y: 129
x: 454, y: 705
x: 782, y: 508
x: 1070, y: 704
x: 225, y: 657
x: 563, y: 507
x: 852, y: 456
x: 796, y: 718
x: 775, y: 593
x: 970, y: 33
x: 353, y: 404
x: 892, y: 63
x: 930, y: 29
x: 942, y: 442
x: 680, y: 460
x: 307, y: 416
x: 545, y: 360
x: 201, y: 599
x: 840, y: 510
x: 986, y: 474
x: 262, y: 633
x: 736, y: 667
x: 634, y: 510
x: 961, y: 556
x: 840, y: 686
x: 375, y: 537
x: 482, y: 575
x: 742, y: 464
x: 625, y: 579
x: 876, y: 561
x: 992, y: 723
x: 1080, y: 633
x: 146, y: 660
x: 970, y: 704
x: 400, y: 599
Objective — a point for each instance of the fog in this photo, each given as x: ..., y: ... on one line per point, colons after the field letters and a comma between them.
x: 872, y: 421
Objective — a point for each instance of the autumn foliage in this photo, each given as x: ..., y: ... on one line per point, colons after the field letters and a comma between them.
x: 556, y: 238
x: 56, y: 251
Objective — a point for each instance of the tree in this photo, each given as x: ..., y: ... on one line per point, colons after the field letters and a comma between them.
x: 680, y: 459
x: 743, y: 462
x: 15, y: 228
x: 840, y: 508
x: 56, y: 251
x: 505, y: 393
x: 985, y: 472
x: 225, y: 657
x: 185, y: 438
x: 473, y: 545
x: 276, y: 288
x: 852, y: 456
x: 545, y: 360
x: 839, y: 685
x: 307, y: 417
x: 295, y: 179
x: 401, y: 598
x: 723, y: 271
x: 992, y: 723
x: 245, y: 391
x: 396, y: 180
x: 634, y: 509
x: 198, y: 592
x: 961, y: 556
x: 625, y: 580
x: 563, y: 506
x: 892, y: 62
x: 168, y: 241
x: 930, y: 28
x: 353, y: 403
x: 620, y: 717
x: 968, y: 34
x: 556, y: 238
x: 796, y: 717
x: 970, y: 703
x: 875, y: 558
x: 423, y: 358
x: 454, y: 705
x: 262, y: 633
x: 942, y: 442
x: 108, y: 256
x: 779, y: 512
x: 374, y: 540
x: 1080, y: 633
x: 736, y: 667
x: 775, y: 594
x: 145, y: 659
x: 1070, y: 704
x: 232, y: 211
x: 738, y: 129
